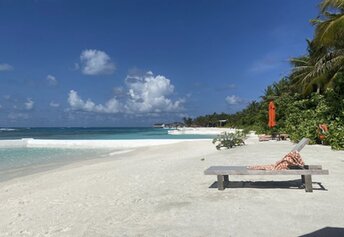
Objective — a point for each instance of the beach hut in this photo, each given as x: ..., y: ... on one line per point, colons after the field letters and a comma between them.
x: 222, y: 122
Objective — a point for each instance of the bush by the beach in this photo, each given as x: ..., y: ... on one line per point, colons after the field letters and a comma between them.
x: 229, y: 140
x: 304, y: 116
x: 336, y: 135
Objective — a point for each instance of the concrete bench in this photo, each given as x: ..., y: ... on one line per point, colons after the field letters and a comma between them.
x: 223, y: 172
x: 306, y: 173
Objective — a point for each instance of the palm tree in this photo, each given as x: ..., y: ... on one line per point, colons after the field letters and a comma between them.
x: 329, y: 30
x: 317, y: 70
x: 307, y: 76
x: 311, y: 74
x: 329, y: 34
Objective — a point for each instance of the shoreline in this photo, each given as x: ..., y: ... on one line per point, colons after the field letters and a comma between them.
x: 111, y: 149
x: 33, y: 169
x: 112, y: 144
x: 107, y: 149
x: 201, y: 131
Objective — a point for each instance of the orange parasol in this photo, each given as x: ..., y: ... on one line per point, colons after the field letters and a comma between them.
x: 272, y: 115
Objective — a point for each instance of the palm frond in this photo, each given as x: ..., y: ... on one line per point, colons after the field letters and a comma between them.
x: 327, y: 4
x: 329, y: 31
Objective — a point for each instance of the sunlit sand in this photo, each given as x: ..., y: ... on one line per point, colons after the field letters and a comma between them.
x: 161, y: 191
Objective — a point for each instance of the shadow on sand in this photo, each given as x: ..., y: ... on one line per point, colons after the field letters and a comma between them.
x: 297, y: 184
x: 326, y: 232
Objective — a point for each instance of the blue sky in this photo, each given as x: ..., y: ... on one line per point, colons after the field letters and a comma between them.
x: 134, y: 63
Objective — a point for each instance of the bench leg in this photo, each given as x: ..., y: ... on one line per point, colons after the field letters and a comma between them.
x: 221, y: 182
x: 226, y: 179
x: 302, y: 179
x: 308, y: 183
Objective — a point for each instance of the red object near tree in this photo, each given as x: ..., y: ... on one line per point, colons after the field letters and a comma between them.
x: 323, y: 131
x: 272, y: 115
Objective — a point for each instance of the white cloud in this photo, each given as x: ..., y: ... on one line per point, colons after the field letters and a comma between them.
x: 119, y: 91
x: 7, y: 97
x: 96, y: 62
x: 76, y: 103
x: 52, y: 80
x: 144, y: 94
x: 29, y: 104
x: 6, y: 67
x: 233, y: 100
x: 15, y: 116
x: 150, y: 93
x: 54, y: 104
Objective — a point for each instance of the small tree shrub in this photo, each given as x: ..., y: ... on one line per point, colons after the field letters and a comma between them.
x: 229, y: 140
x: 336, y: 135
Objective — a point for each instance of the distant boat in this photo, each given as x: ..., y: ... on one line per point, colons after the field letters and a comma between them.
x: 174, y: 125
x: 159, y: 125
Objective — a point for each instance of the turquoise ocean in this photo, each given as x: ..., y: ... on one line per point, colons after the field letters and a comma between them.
x: 16, y: 161
x: 91, y: 133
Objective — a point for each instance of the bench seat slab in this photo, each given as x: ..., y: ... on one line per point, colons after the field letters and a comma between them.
x: 243, y: 170
x: 223, y: 172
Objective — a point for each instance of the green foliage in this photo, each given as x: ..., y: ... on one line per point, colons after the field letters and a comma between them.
x: 187, y: 121
x: 304, y: 117
x: 211, y: 120
x: 302, y: 120
x: 329, y: 29
x: 335, y: 101
x: 336, y: 134
x: 229, y: 140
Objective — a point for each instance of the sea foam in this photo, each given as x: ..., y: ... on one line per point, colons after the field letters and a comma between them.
x: 112, y: 144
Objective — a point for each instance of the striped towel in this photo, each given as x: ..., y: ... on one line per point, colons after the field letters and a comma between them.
x: 291, y: 159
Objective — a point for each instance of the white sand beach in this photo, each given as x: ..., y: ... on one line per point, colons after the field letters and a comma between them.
x: 201, y: 131
x: 162, y: 191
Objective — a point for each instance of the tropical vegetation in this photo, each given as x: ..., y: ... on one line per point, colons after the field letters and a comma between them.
x: 312, y: 94
x: 229, y: 140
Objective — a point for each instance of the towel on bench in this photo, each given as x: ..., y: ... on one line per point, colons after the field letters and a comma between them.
x: 292, y: 159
